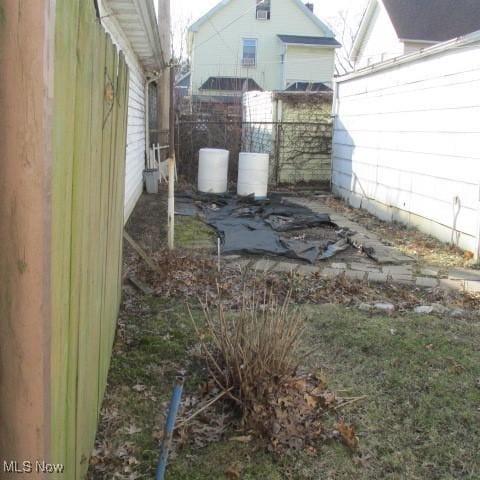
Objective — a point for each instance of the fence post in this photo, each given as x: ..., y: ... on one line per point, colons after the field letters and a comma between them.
x: 276, y: 153
x: 477, y: 250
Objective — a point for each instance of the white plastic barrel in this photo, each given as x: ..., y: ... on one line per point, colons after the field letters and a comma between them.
x: 253, y: 174
x: 213, y: 170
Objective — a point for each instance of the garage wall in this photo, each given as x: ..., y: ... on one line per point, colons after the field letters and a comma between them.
x: 407, y: 141
x: 135, y: 156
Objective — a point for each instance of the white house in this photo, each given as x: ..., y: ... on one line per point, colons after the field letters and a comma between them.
x: 260, y: 45
x: 406, y: 140
x: 133, y: 27
x: 391, y: 28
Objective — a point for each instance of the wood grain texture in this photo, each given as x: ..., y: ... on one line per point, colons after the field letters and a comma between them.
x: 87, y: 216
x: 63, y: 357
x: 26, y: 90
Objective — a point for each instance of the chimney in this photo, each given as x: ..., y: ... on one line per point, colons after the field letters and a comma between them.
x: 309, y: 6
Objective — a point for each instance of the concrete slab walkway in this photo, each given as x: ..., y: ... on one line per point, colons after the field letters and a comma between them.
x: 379, y: 263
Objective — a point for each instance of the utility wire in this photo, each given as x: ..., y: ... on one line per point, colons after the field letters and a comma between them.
x: 217, y: 32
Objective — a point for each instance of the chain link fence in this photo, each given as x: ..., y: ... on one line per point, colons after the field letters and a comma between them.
x: 300, y: 151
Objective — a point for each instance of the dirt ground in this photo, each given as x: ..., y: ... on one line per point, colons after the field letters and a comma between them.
x: 410, y: 241
x: 417, y: 376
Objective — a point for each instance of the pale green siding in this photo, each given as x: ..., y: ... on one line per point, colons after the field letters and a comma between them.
x: 309, y: 64
x: 217, y: 45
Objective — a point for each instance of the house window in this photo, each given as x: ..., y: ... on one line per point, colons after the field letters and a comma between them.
x: 263, y: 10
x: 249, y: 56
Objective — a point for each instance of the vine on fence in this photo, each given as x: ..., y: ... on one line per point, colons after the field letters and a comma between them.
x: 299, y: 151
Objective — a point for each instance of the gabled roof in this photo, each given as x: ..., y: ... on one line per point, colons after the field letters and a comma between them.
x: 304, y: 40
x: 428, y: 21
x: 322, y: 26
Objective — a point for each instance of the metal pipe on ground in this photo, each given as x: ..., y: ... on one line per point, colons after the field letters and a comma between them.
x: 169, y: 428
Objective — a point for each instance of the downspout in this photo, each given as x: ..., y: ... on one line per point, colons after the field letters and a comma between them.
x: 147, y: 118
x: 335, y: 111
x: 477, y: 251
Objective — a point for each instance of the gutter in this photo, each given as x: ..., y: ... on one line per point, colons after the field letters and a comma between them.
x: 149, y: 18
x: 427, y: 42
x: 311, y: 45
x: 412, y: 57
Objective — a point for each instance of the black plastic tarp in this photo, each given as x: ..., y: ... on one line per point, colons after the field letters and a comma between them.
x: 248, y: 226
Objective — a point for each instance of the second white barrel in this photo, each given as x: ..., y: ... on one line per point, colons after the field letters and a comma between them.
x: 253, y: 174
x: 213, y: 170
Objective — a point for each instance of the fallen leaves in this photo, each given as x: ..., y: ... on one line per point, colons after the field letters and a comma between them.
x: 121, y: 460
x: 132, y: 430
x: 241, y: 439
x: 292, y: 414
x: 347, y: 434
x: 139, y: 388
x: 185, y: 275
x: 233, y: 472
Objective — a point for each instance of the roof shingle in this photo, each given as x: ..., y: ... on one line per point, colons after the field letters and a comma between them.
x: 433, y: 20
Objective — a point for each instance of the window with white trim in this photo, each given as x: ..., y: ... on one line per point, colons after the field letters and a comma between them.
x: 263, y: 11
x: 249, y: 52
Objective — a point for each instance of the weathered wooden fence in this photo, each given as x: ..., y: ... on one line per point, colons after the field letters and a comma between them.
x: 90, y: 107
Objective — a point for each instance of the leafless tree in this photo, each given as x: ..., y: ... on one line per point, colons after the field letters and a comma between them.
x: 345, y: 26
x: 179, y: 36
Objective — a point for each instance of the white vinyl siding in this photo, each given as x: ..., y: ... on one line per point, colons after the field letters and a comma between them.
x: 407, y: 143
x: 135, y: 154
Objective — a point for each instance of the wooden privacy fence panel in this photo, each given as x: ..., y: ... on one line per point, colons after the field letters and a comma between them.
x: 90, y: 118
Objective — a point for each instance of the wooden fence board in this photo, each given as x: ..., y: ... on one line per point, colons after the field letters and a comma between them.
x: 89, y: 143
x: 63, y: 381
x: 109, y: 75
x: 81, y: 270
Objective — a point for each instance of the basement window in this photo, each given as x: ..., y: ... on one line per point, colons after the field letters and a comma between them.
x: 263, y: 11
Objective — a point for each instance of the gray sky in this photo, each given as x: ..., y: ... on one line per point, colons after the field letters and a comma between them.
x: 185, y: 12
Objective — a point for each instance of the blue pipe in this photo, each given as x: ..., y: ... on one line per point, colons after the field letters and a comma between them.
x: 169, y: 427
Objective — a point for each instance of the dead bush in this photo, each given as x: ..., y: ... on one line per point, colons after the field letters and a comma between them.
x: 253, y: 356
x: 254, y: 347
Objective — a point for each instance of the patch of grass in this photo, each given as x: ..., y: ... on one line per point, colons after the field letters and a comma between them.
x: 150, y: 350
x: 420, y: 420
x: 191, y: 232
x: 422, y: 416
x: 211, y: 463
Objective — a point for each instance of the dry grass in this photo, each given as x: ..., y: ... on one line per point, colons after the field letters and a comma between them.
x: 409, y: 240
